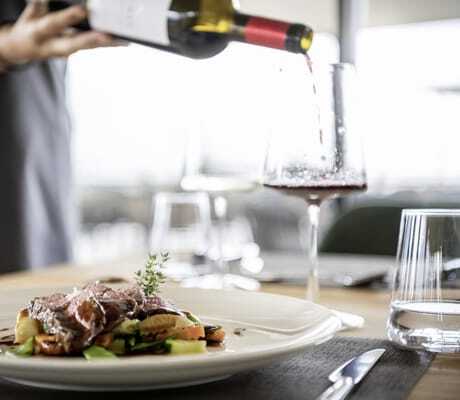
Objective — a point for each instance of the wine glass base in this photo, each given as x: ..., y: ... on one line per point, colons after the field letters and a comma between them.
x: 222, y: 281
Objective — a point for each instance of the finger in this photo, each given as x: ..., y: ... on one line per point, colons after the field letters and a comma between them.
x: 64, y: 47
x: 35, y: 9
x: 55, y: 23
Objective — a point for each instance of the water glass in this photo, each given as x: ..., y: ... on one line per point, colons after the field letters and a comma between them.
x: 425, y: 306
x: 181, y: 224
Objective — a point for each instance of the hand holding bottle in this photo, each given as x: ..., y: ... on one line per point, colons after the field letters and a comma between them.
x: 196, y: 29
x: 38, y: 35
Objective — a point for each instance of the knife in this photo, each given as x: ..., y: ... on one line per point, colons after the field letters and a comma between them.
x: 350, y: 374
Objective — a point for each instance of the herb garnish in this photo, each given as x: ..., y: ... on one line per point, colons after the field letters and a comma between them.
x: 152, y: 277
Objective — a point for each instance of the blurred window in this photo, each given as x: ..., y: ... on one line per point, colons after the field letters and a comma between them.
x: 410, y: 78
x: 134, y: 107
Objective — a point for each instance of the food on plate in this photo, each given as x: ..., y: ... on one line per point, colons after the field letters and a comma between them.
x: 100, y: 322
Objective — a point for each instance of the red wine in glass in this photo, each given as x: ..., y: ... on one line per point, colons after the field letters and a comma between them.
x: 315, y: 193
x: 323, y: 162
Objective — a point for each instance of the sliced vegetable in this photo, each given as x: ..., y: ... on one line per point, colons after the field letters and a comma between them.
x: 159, y: 323
x: 104, y: 340
x: 97, y: 353
x: 214, y: 334
x: 127, y: 327
x: 49, y: 345
x: 131, y: 341
x: 177, y: 347
x: 118, y: 346
x: 193, y: 318
x: 211, y: 328
x: 25, y: 327
x: 193, y: 332
x: 148, y: 346
x: 26, y: 349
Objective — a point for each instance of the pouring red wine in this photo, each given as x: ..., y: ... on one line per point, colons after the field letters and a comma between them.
x: 322, y: 157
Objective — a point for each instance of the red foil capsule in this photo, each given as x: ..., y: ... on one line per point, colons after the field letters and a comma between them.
x: 266, y: 32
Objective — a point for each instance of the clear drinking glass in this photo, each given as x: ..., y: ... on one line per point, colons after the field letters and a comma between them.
x: 181, y: 224
x: 316, y: 153
x: 239, y: 240
x: 425, y: 306
x: 205, y: 171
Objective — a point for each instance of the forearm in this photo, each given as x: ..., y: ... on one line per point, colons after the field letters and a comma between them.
x: 4, y: 63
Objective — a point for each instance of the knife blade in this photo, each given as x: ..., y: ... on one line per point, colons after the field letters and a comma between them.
x: 350, y: 374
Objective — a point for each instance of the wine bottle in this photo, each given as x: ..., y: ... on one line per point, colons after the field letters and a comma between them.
x: 194, y: 28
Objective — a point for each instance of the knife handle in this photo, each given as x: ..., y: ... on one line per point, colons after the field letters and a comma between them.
x: 338, y: 391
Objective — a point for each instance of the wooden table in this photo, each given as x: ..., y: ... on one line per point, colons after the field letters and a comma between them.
x: 441, y: 382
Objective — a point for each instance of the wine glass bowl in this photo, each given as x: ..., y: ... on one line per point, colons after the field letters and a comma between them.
x: 203, y: 174
x: 324, y: 158
x: 321, y: 155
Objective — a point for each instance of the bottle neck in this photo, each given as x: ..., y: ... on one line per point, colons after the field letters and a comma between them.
x: 296, y: 38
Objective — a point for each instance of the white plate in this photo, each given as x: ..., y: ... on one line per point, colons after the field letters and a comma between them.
x: 276, y: 327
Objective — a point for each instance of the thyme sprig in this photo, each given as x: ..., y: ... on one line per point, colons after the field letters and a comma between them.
x: 152, y: 277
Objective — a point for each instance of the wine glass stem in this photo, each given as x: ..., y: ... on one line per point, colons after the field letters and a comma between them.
x: 220, y: 209
x: 313, y: 281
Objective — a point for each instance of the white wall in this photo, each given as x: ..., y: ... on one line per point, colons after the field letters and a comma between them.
x: 394, y: 12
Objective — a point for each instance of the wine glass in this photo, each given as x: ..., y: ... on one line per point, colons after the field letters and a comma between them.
x: 317, y: 154
x: 181, y: 226
x: 202, y: 173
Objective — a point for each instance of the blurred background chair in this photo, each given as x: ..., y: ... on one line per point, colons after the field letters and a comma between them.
x: 364, y: 230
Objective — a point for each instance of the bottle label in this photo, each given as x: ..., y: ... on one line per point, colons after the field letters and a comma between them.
x: 145, y: 20
x: 266, y: 32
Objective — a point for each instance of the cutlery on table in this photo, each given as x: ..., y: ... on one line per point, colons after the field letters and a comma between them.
x: 350, y: 374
